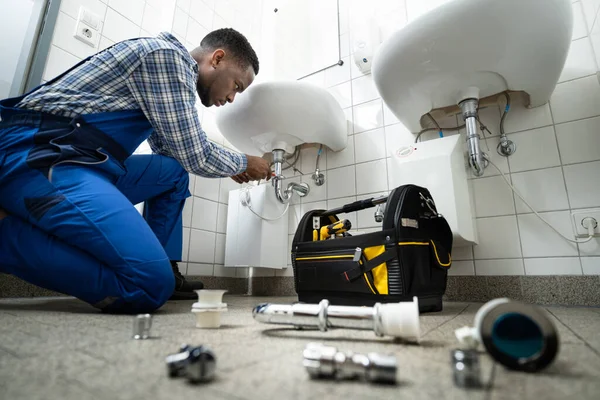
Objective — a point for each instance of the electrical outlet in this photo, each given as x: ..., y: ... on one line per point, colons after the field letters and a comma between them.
x: 86, y: 34
x: 578, y: 217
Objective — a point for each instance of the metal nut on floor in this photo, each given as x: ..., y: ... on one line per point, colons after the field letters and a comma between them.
x: 197, y: 364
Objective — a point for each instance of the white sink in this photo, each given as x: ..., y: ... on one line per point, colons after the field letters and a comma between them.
x: 473, y: 48
x: 282, y: 115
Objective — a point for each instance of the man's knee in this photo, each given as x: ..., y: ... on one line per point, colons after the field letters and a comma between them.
x: 152, y: 285
x: 159, y: 283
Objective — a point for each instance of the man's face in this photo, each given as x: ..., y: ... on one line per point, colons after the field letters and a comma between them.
x: 222, y: 80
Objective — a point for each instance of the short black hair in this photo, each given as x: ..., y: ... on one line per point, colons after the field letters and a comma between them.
x: 234, y: 41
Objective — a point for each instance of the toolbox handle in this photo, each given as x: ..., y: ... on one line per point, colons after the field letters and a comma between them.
x: 356, y: 206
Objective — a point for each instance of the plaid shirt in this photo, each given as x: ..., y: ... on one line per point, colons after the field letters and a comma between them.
x: 155, y: 75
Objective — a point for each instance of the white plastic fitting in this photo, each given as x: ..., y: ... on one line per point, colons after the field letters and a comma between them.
x: 209, y: 307
x: 401, y: 320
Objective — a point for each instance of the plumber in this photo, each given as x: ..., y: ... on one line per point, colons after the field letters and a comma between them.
x: 69, y: 181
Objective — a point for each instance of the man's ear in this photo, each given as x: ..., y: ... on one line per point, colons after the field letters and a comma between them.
x: 217, y: 57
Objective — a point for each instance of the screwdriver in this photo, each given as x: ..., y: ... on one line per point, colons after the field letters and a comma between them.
x: 335, y: 228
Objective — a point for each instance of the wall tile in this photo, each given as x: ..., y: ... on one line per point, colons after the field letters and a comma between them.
x: 462, y: 253
x: 582, y: 184
x: 220, y: 250
x: 334, y: 203
x: 195, y: 32
x: 71, y: 7
x: 521, y: 118
x: 222, y: 218
x: 338, y: 73
x: 187, y: 211
x: 223, y: 271
x: 63, y: 37
x: 185, y: 5
x: 317, y: 193
x: 227, y: 185
x: 186, y: 244
x: 207, y: 188
x: 204, y: 215
x: 535, y: 149
x: 539, y: 240
x: 294, y: 217
x: 579, y: 24
x: 591, y: 248
x: 590, y: 10
x: 342, y: 93
x: 543, y: 189
x: 202, y: 246
x: 180, y: 22
x: 118, y: 28
x: 318, y: 79
x: 104, y: 43
x: 497, y: 159
x: 344, y: 45
x: 499, y: 267
x: 366, y: 218
x: 363, y: 89
x: 342, y: 182
x: 152, y: 21
x: 579, y: 141
x: 590, y: 265
x: 595, y: 39
x: 133, y: 10
x: 317, y: 205
x: 580, y: 61
x: 493, y: 197
x: 225, y: 9
x: 368, y: 116
x: 371, y: 177
x: 388, y: 116
x: 498, y: 238
x: 58, y: 62
x: 200, y: 269
x: 336, y: 159
x: 553, y: 266
x: 370, y: 145
x: 462, y: 268
x: 397, y: 136
x: 587, y: 93
x: 202, y: 14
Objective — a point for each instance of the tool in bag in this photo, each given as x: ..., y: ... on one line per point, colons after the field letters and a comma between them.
x: 409, y: 256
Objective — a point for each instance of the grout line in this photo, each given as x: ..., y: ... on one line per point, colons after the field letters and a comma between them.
x: 592, y: 348
x: 562, y: 170
x: 445, y: 322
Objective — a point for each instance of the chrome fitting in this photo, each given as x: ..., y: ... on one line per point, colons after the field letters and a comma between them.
x: 322, y: 361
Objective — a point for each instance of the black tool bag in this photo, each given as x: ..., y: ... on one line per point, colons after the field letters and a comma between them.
x: 409, y: 257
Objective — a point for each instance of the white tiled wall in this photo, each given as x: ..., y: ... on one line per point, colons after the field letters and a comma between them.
x: 556, y: 167
x: 557, y: 161
x: 205, y: 213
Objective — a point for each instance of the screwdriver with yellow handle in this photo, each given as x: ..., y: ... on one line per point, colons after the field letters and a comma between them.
x: 335, y: 228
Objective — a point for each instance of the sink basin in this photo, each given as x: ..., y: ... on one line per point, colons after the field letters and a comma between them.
x: 282, y: 115
x: 473, y: 48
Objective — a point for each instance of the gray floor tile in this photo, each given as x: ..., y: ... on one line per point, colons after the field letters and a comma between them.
x: 575, y: 375
x: 62, y: 348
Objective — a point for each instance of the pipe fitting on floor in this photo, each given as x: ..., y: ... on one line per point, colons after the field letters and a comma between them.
x: 323, y: 361
x: 399, y: 320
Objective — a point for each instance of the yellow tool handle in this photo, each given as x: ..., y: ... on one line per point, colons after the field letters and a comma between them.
x: 332, y: 229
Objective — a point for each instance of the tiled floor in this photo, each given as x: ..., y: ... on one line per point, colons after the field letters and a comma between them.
x: 63, y: 349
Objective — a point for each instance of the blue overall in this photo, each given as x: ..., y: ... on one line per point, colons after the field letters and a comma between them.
x: 69, y: 186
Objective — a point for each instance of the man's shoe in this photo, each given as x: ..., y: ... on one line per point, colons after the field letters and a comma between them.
x: 184, y: 290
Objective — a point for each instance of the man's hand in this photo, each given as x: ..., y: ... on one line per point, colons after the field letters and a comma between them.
x: 258, y: 168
